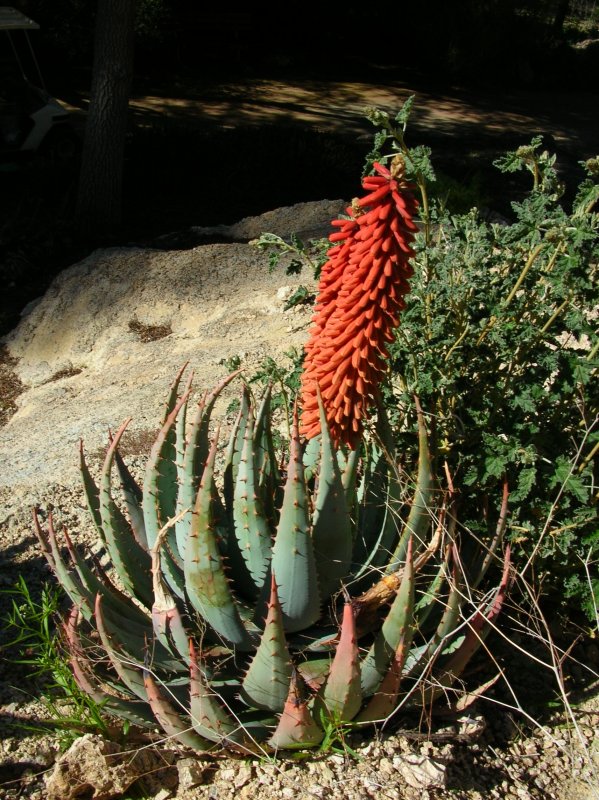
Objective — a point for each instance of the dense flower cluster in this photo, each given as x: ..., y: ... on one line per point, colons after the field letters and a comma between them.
x: 360, y: 296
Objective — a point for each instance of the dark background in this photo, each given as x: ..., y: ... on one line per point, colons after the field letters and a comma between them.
x: 480, y: 42
x: 178, y: 173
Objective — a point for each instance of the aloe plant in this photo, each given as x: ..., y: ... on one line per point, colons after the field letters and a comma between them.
x: 244, y: 614
x: 256, y: 598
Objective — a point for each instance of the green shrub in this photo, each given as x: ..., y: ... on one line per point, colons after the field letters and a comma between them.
x: 499, y: 341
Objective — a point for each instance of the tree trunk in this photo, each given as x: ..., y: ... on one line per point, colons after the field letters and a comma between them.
x: 99, y: 200
x: 561, y: 12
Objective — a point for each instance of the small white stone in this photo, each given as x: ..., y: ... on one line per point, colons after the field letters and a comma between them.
x: 386, y: 766
x: 244, y: 774
x: 191, y: 772
x: 326, y: 773
x: 421, y: 772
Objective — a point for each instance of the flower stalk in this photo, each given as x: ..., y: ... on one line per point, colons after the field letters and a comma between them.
x: 360, y: 297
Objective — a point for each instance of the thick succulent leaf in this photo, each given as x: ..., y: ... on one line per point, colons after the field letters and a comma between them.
x: 132, y: 495
x: 177, y: 435
x: 421, y: 658
x: 369, y: 500
x: 159, y: 498
x: 349, y: 477
x: 293, y: 561
x: 296, y: 727
x: 342, y: 692
x: 126, y: 668
x: 311, y: 458
x: 197, y: 447
x: 234, y: 450
x: 160, y: 485
x: 266, y: 684
x: 371, y: 604
x: 168, y: 713
x: 395, y: 634
x: 138, y: 646
x: 419, y: 519
x: 177, y: 439
x: 134, y: 711
x: 251, y: 527
x: 92, y: 493
x: 332, y: 531
x: 166, y: 617
x: 99, y: 583
x: 269, y: 480
x: 477, y: 629
x: 173, y: 394
x: 384, y: 702
x: 430, y: 598
x: 380, y: 531
x: 377, y: 513
x: 315, y: 672
x: 169, y: 628
x: 206, y: 583
x: 131, y: 561
x: 68, y: 578
x: 209, y: 717
x: 82, y: 584
x: 171, y: 441
x: 240, y: 574
x: 319, y: 639
x: 190, y: 474
x: 380, y: 541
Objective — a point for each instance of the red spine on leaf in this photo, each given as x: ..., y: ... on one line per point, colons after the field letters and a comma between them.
x: 360, y: 297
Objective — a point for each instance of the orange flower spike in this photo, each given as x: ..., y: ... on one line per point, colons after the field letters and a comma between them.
x: 360, y: 298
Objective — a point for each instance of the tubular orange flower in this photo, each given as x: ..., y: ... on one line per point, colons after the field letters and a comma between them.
x: 360, y: 296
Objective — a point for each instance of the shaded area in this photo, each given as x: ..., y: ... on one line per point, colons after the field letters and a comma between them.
x: 206, y: 152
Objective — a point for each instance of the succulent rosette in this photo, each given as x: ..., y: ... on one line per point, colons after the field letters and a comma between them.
x: 253, y: 614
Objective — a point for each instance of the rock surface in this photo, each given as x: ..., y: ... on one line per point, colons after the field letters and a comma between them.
x: 111, y: 332
x: 96, y: 769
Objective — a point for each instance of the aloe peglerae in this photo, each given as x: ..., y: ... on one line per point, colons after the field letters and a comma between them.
x: 256, y: 598
x: 272, y: 634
